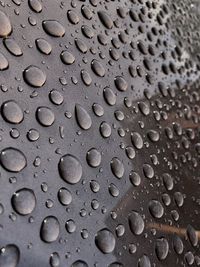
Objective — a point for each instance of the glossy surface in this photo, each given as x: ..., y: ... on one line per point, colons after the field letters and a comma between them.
x: 99, y: 133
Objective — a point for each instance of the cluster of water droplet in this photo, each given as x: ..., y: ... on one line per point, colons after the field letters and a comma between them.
x: 99, y: 146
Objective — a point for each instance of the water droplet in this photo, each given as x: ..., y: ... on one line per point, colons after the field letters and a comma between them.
x: 12, y: 159
x: 50, y: 229
x: 105, y: 241
x: 54, y: 260
x: 56, y: 97
x: 83, y: 118
x: 35, y: 5
x: 86, y: 77
x: 45, y: 116
x: 12, y: 112
x: 136, y: 223
x: 162, y: 248
x: 117, y: 167
x: 67, y: 58
x: 93, y: 157
x: 105, y: 19
x: 79, y: 263
x: 156, y: 209
x: 64, y: 196
x: 70, y: 226
x: 105, y: 129
x: 73, y: 17
x: 70, y: 169
x: 121, y: 84
x: 3, y: 62
x: 9, y: 256
x: 12, y: 46
x: 34, y: 76
x: 135, y: 178
x: 5, y: 25
x: 137, y: 140
x: 109, y: 96
x: 144, y: 261
x: 98, y: 68
x: 53, y: 28
x: 24, y: 201
x: 43, y: 46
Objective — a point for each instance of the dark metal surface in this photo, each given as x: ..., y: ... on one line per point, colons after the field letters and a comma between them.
x: 99, y: 133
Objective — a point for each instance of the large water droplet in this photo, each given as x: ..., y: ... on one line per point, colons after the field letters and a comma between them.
x: 70, y: 169
x: 23, y: 201
x: 156, y: 209
x: 162, y: 248
x: 105, y: 241
x: 67, y: 58
x: 136, y: 223
x: 34, y: 76
x: 12, y: 112
x: 5, y: 25
x: 3, y: 62
x: 45, y: 116
x: 50, y: 229
x: 9, y: 256
x: 105, y: 19
x: 93, y: 157
x: 79, y: 263
x: 98, y: 68
x: 53, y: 28
x: 137, y: 140
x: 12, y: 46
x: 144, y: 261
x: 117, y: 167
x: 83, y: 118
x: 43, y: 46
x: 12, y: 159
x: 121, y: 84
x: 35, y: 5
x: 64, y: 196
